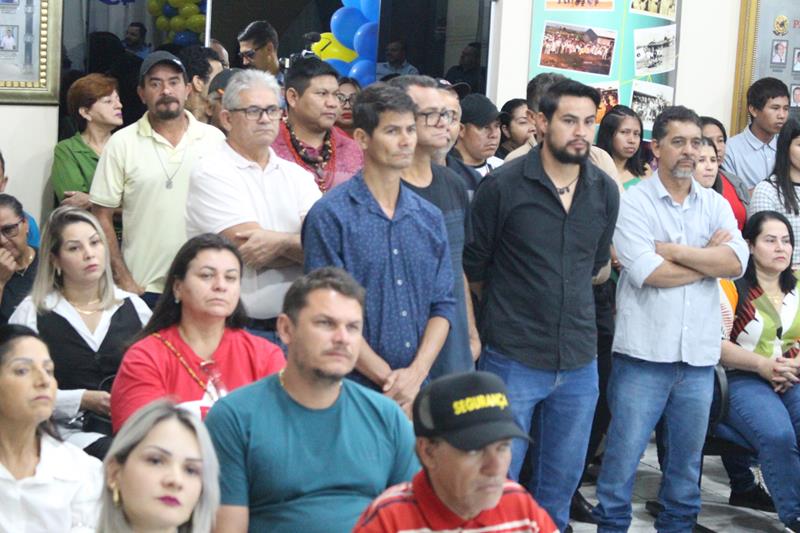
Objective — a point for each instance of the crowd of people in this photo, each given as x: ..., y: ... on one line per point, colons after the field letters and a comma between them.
x: 280, y: 301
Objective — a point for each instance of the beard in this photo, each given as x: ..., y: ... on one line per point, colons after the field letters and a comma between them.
x: 565, y: 157
x: 681, y: 173
x: 167, y: 113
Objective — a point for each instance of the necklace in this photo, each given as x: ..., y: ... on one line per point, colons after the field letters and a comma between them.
x: 22, y: 271
x: 564, y: 190
x: 170, y: 177
x: 318, y: 165
x: 84, y: 311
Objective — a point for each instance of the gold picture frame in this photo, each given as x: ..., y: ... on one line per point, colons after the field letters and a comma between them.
x: 762, y: 24
x: 30, y: 51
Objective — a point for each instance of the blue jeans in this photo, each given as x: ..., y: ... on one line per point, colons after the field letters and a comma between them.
x: 639, y: 394
x: 770, y: 423
x: 556, y: 407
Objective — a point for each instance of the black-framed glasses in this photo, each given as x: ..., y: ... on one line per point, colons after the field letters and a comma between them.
x: 254, y: 112
x: 11, y: 230
x: 432, y: 118
x: 250, y: 54
x: 346, y: 99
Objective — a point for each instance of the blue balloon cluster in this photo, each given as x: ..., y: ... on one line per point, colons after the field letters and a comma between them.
x: 356, y: 26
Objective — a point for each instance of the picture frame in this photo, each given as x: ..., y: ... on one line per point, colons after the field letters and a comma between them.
x: 762, y: 24
x: 30, y: 51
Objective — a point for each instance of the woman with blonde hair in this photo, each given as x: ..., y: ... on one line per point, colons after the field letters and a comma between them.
x: 85, y: 320
x: 161, y: 474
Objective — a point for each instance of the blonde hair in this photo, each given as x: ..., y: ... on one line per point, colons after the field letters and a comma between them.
x: 47, y: 279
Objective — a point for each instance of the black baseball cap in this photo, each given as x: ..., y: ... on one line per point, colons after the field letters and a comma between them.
x: 468, y: 410
x: 156, y: 58
x: 220, y: 81
x: 461, y: 88
x: 479, y: 110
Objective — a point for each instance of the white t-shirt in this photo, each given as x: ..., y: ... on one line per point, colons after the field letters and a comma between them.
x: 62, y: 495
x: 8, y: 42
x: 134, y: 172
x: 227, y: 190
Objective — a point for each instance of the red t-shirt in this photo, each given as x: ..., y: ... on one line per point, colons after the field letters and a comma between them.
x: 414, y: 506
x: 150, y: 371
x: 729, y: 193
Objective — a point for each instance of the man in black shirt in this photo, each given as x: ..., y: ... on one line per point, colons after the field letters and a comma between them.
x: 542, y: 232
x: 444, y: 189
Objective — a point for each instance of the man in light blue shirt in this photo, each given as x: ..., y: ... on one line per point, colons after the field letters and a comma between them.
x: 674, y: 238
x: 396, y: 62
x: 751, y: 154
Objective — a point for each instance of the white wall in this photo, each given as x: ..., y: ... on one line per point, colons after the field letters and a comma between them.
x: 706, y: 57
x: 27, y: 143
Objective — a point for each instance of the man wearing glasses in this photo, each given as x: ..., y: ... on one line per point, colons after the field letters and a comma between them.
x: 246, y: 192
x: 443, y: 188
x: 258, y: 47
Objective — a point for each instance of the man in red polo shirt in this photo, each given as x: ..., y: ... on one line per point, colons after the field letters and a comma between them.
x: 464, y: 428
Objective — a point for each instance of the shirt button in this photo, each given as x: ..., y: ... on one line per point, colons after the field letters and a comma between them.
x: 403, y: 313
x: 399, y: 282
x: 395, y: 251
x: 408, y: 345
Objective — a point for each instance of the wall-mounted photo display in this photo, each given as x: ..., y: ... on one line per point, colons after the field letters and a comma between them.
x: 579, y: 5
x: 578, y: 48
x: 655, y: 50
x: 657, y: 8
x: 650, y: 99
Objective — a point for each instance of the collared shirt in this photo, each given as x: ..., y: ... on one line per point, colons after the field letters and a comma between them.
x: 537, y: 261
x: 677, y: 324
x: 749, y: 158
x: 347, y: 156
x: 74, y: 163
x: 142, y: 172
x: 384, y: 69
x: 62, y: 495
x: 227, y: 190
x: 766, y: 198
x: 402, y: 262
x: 414, y: 507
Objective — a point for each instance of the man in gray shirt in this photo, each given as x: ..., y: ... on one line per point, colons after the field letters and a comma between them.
x: 674, y: 238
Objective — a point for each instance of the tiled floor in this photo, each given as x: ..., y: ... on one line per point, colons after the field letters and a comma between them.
x: 716, y: 514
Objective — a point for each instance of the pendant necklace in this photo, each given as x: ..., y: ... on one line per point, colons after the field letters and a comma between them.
x: 170, y: 177
x: 565, y: 189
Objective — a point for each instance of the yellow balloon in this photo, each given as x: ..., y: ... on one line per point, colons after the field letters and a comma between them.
x: 177, y: 23
x: 162, y: 23
x: 328, y: 47
x: 188, y: 10
x: 170, y: 36
x: 197, y: 23
x: 153, y: 8
x: 177, y: 3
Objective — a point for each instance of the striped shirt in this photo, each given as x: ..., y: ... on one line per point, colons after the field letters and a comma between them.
x: 413, y: 507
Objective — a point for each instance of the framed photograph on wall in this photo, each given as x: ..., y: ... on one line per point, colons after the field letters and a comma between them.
x: 30, y: 51
x: 768, y: 37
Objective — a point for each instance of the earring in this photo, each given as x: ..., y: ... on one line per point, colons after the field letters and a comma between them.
x: 58, y: 271
x: 115, y: 495
x: 177, y: 300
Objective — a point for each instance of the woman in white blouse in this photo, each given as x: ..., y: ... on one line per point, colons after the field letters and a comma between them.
x: 45, y: 484
x: 84, y: 319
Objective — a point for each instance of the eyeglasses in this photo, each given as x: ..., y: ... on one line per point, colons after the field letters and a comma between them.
x: 346, y: 99
x: 250, y: 54
x: 432, y: 118
x: 11, y: 230
x: 254, y: 112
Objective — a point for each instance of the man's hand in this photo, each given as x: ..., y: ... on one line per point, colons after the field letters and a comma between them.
x: 98, y: 401
x: 128, y: 284
x: 260, y: 247
x: 77, y: 199
x: 720, y: 236
x: 402, y: 385
x: 8, y: 265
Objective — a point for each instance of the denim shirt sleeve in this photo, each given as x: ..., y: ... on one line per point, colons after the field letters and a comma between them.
x: 634, y: 240
x: 321, y: 239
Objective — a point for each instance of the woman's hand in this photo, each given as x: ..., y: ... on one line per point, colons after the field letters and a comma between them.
x: 98, y: 401
x: 780, y: 372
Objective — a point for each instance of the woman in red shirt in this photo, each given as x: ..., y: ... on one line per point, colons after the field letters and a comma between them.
x: 194, y: 349
x: 728, y: 185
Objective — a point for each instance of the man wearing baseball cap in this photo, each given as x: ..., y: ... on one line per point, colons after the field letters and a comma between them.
x: 479, y: 136
x: 144, y: 169
x: 464, y: 428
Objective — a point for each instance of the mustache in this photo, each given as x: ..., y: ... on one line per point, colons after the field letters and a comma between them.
x: 167, y: 100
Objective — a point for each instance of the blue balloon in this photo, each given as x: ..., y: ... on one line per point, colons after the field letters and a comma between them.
x: 371, y: 9
x: 342, y: 67
x: 169, y: 11
x: 352, y: 3
x: 185, y: 38
x: 202, y: 7
x: 345, y: 23
x: 363, y: 71
x: 366, y: 41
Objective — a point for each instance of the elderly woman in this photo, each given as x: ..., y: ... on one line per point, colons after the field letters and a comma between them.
x: 45, y: 484
x: 194, y: 349
x: 761, y: 354
x: 161, y: 474
x: 18, y: 259
x: 86, y: 322
x: 94, y: 104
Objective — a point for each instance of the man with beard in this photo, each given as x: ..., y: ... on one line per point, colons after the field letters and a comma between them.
x: 542, y: 228
x: 306, y: 449
x: 144, y: 170
x: 674, y: 239
x: 258, y: 200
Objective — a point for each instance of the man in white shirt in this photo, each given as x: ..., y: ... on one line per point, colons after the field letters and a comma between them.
x: 247, y: 193
x: 8, y: 42
x: 144, y: 169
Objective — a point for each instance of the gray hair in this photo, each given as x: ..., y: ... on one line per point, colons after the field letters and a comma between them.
x: 246, y: 80
x: 133, y: 432
x: 47, y: 280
